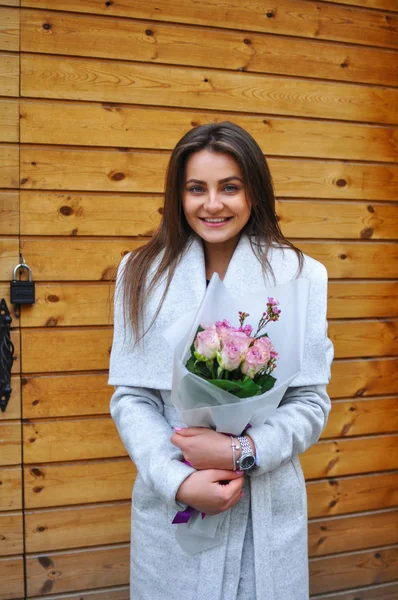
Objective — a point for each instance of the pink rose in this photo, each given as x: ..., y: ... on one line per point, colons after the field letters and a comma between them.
x: 257, y: 357
x: 206, y: 344
x: 233, y: 351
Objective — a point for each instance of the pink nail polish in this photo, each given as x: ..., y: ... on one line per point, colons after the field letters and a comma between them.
x: 177, y: 428
x: 242, y: 494
x: 239, y: 472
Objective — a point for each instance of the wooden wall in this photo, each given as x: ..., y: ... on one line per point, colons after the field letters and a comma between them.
x: 93, y: 97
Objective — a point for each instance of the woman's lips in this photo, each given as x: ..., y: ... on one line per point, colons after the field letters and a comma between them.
x: 215, y: 221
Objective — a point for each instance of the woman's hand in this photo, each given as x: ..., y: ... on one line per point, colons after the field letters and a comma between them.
x: 204, y: 448
x: 211, y: 491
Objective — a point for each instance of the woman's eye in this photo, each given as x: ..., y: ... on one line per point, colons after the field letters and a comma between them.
x: 196, y: 189
x: 230, y: 188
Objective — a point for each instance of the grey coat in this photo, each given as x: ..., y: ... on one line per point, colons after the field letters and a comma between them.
x: 264, y: 553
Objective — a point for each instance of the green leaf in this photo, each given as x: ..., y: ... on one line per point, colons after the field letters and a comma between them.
x: 267, y: 383
x: 227, y: 385
x: 191, y: 365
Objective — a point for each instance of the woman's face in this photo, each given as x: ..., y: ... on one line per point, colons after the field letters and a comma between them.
x: 214, y: 198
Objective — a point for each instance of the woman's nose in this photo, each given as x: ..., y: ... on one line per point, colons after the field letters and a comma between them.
x: 213, y: 202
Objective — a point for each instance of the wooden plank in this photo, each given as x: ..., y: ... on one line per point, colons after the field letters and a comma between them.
x: 63, y: 528
x: 362, y: 299
x: 344, y: 534
x: 10, y: 443
x: 378, y: 4
x: 83, y: 304
x: 362, y: 417
x: 9, y: 2
x: 293, y: 17
x: 47, y: 76
x: 85, y: 349
x: 78, y: 483
x: 350, y: 456
x: 354, y: 260
x: 353, y: 569
x: 143, y: 172
x: 385, y: 591
x: 16, y: 340
x: 68, y: 440
x: 74, y: 260
x: 89, y: 214
x: 106, y: 215
x: 129, y: 126
x: 9, y: 29
x: 353, y: 220
x: 11, y: 536
x: 119, y: 593
x: 9, y: 213
x: 9, y: 258
x: 13, y: 410
x: 99, y: 37
x: 9, y: 121
x: 332, y: 497
x: 11, y: 488
x: 77, y: 570
x: 64, y: 350
x: 66, y: 395
x: 71, y: 304
x: 12, y: 578
x: 354, y: 339
x: 9, y: 75
x: 364, y: 378
x: 9, y: 166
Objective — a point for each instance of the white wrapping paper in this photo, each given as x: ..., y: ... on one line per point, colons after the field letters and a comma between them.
x: 203, y: 404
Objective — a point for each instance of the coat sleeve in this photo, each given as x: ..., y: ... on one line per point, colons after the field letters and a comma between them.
x: 145, y: 433
x: 302, y: 415
x: 138, y: 414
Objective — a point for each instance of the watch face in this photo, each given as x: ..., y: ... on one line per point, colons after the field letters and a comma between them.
x: 247, y: 462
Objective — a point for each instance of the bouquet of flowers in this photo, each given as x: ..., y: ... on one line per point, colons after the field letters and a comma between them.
x: 222, y: 375
x: 233, y: 358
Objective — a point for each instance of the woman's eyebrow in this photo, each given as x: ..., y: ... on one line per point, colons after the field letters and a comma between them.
x: 220, y: 181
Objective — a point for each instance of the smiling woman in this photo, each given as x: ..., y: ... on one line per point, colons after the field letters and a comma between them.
x: 219, y: 217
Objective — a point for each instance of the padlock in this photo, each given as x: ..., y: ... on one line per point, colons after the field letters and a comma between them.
x: 22, y: 292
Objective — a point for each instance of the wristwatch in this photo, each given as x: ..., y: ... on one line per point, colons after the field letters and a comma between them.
x: 247, y: 459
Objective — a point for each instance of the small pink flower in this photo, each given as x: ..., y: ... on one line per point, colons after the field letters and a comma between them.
x: 207, y: 343
x: 233, y: 350
x: 254, y: 362
x: 247, y: 330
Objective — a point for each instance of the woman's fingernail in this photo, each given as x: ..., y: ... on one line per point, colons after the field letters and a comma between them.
x: 239, y: 472
x: 177, y: 428
x: 242, y: 494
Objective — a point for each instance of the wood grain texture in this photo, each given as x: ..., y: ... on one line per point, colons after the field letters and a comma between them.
x: 89, y: 124
x: 350, y: 456
x: 73, y: 259
x: 11, y: 536
x: 390, y: 5
x: 9, y: 121
x: 345, y: 534
x: 354, y: 339
x: 117, y: 214
x: 126, y: 39
x: 9, y: 75
x: 65, y: 395
x: 385, y: 591
x: 46, y: 76
x: 83, y: 304
x: 11, y: 488
x: 12, y: 578
x: 9, y: 213
x: 78, y: 483
x: 59, y: 529
x: 76, y: 570
x: 364, y: 299
x: 9, y: 258
x: 9, y: 29
x: 9, y: 165
x: 353, y: 569
x: 10, y: 443
x: 293, y: 17
x: 362, y: 417
x: 364, y: 378
x: 354, y: 260
x: 69, y: 440
x: 143, y: 172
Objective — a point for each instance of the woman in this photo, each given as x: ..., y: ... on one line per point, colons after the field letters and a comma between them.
x: 219, y: 217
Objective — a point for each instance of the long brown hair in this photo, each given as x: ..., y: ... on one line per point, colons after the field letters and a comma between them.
x: 174, y: 233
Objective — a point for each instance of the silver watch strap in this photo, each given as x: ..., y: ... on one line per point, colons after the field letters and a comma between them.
x: 246, y: 448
